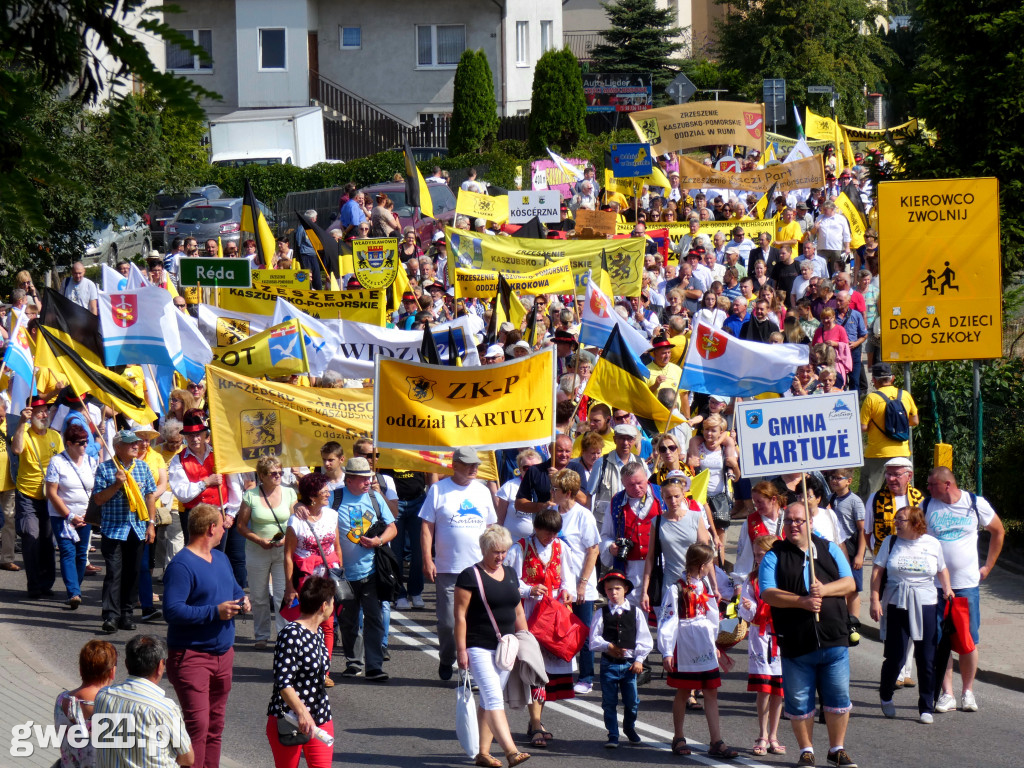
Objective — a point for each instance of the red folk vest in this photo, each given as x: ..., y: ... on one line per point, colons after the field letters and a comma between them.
x: 195, y: 472
x: 534, y: 570
x: 636, y: 530
x: 756, y: 527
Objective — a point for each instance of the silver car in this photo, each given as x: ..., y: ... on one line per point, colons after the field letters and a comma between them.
x: 206, y: 219
x: 124, y: 237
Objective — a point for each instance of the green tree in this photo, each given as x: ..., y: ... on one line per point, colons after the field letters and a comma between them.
x: 641, y: 39
x: 970, y: 93
x: 807, y: 42
x: 474, y: 108
x: 558, y: 106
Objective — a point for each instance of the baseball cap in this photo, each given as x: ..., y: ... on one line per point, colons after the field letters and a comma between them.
x: 126, y: 437
x: 881, y: 370
x: 466, y: 455
x: 494, y: 351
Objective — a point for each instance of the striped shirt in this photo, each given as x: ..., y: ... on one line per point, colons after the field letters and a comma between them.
x: 144, y: 728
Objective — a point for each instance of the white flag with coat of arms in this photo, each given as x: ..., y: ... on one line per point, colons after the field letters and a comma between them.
x: 140, y: 327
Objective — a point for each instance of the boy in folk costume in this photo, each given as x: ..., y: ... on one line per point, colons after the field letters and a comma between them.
x: 620, y: 632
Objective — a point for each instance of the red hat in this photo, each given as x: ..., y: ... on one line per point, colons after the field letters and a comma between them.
x: 408, y: 296
x: 37, y: 402
x: 620, y: 576
x: 661, y: 342
x: 194, y: 421
x: 353, y: 282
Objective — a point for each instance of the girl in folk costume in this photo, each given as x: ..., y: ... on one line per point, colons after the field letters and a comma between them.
x: 764, y: 669
x: 543, y: 567
x: 686, y: 637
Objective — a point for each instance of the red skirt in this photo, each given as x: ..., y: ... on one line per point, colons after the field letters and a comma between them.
x: 765, y: 684
x: 559, y: 687
x: 692, y: 681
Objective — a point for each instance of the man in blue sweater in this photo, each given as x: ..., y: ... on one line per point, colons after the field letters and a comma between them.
x: 201, y: 601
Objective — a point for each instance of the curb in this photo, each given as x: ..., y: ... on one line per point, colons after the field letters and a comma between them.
x: 1000, y: 679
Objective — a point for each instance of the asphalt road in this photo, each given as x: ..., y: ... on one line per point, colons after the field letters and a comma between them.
x: 410, y: 720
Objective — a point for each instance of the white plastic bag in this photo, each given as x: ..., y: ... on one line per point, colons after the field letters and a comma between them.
x: 466, y: 728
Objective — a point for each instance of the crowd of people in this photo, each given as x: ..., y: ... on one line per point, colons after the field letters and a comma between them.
x: 602, y: 522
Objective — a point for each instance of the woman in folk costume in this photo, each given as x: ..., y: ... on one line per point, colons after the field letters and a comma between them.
x: 764, y: 668
x: 543, y: 567
x: 687, y: 632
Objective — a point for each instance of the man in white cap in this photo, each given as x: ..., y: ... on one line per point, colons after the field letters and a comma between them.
x: 360, y: 508
x: 609, y: 480
x: 494, y: 354
x: 456, y: 511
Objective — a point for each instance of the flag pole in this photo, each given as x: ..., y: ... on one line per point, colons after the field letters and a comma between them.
x: 809, y: 532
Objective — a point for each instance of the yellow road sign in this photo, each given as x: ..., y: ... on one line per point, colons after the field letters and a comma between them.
x: 940, y: 276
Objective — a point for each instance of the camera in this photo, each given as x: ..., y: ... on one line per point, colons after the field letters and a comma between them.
x: 624, y: 545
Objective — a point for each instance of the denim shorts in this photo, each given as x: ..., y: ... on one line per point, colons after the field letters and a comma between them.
x: 973, y: 595
x: 801, y: 676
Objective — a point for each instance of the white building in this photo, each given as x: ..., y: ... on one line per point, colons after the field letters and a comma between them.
x: 400, y: 57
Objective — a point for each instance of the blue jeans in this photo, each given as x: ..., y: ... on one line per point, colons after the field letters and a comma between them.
x: 407, y: 540
x: 827, y: 669
x: 585, y: 658
x: 74, y: 555
x: 616, y: 678
x: 232, y: 544
x: 146, y: 578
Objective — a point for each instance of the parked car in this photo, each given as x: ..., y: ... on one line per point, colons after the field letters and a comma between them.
x: 442, y: 198
x: 205, y: 219
x: 126, y: 236
x: 164, y: 206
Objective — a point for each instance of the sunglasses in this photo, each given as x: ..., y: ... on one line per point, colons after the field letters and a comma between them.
x: 277, y: 473
x: 667, y: 448
x: 368, y: 455
x: 78, y: 442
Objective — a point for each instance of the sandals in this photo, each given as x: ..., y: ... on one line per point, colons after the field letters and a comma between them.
x: 775, y: 747
x: 720, y: 750
x: 693, y: 704
x: 547, y: 734
x: 760, y: 747
x: 679, y: 746
x: 516, y: 758
x: 536, y: 738
x: 487, y: 761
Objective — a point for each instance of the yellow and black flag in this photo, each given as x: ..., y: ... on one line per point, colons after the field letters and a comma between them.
x: 416, y: 192
x: 507, y: 308
x: 67, y: 344
x: 326, y: 247
x: 255, y: 222
x: 765, y: 207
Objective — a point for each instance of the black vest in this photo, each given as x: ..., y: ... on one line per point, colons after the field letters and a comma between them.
x: 797, y: 631
x: 620, y: 629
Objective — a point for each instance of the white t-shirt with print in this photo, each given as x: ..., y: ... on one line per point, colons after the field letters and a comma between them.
x: 956, y: 527
x: 518, y: 524
x: 460, y: 513
x: 913, y: 561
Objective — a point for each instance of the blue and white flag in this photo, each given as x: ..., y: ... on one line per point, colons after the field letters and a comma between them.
x: 196, y: 352
x: 321, y: 341
x: 598, y: 319
x: 19, y: 358
x: 139, y: 327
x: 114, y: 281
x: 719, y: 364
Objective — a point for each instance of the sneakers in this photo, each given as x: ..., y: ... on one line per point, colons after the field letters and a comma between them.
x: 611, y: 743
x: 889, y: 709
x: 403, y: 604
x: 417, y: 602
x: 378, y: 676
x: 841, y: 759
x: 386, y: 654
x: 967, y: 702
x: 946, y: 703
x: 805, y: 759
x: 445, y: 671
x: 926, y: 718
x: 582, y: 688
x: 152, y: 614
x: 631, y: 734
x: 351, y: 671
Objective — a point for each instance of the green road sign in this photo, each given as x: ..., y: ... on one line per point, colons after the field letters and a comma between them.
x: 216, y: 273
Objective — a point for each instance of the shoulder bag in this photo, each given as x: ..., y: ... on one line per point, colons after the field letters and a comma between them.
x: 508, y: 645
x: 385, y: 563
x: 342, y: 589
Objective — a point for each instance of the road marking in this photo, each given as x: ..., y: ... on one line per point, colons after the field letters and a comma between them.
x: 579, y: 709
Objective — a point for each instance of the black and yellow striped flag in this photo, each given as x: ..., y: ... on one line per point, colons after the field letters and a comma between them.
x: 255, y: 222
x: 417, y: 194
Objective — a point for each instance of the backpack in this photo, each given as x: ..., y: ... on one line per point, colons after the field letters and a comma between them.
x: 896, y: 423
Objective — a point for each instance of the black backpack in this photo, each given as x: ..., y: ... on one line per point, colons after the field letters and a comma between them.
x: 896, y: 423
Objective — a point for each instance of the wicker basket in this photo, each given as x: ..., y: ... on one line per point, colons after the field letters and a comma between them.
x: 731, y: 631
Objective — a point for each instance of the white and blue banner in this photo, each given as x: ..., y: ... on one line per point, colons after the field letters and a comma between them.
x: 139, y: 327
x: 798, y: 434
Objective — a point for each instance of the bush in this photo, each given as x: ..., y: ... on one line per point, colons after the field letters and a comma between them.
x: 558, y: 106
x: 474, y: 108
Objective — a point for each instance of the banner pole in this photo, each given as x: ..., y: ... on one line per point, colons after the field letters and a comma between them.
x: 810, y: 533
x: 979, y: 438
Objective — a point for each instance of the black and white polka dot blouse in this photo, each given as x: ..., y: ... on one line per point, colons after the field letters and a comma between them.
x: 301, y: 662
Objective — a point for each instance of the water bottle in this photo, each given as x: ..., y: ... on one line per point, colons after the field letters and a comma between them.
x: 318, y: 733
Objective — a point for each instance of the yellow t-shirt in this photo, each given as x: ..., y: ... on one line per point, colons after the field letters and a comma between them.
x: 34, y: 460
x: 6, y: 481
x: 155, y: 462
x: 872, y: 413
x: 789, y: 231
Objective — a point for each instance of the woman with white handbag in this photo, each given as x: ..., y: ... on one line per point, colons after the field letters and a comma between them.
x: 488, y: 613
